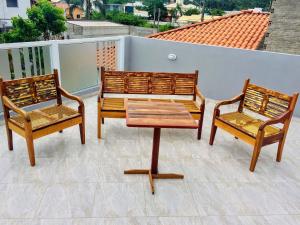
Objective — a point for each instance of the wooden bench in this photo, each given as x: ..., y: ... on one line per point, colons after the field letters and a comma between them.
x: 148, y: 83
x: 31, y: 125
x: 251, y: 128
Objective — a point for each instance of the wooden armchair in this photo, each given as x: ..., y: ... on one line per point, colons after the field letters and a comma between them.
x: 43, y: 121
x: 274, y: 105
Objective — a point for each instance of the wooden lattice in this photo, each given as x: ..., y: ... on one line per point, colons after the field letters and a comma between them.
x: 28, y: 91
x: 149, y: 82
x: 107, y: 55
x: 266, y: 102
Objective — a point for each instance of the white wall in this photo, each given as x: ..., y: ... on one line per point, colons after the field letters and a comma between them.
x: 8, y: 12
x: 222, y: 70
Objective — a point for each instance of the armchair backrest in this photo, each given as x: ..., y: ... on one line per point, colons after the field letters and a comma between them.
x: 267, y: 102
x: 124, y: 82
x: 31, y: 90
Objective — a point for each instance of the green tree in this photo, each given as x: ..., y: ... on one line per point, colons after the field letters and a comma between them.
x: 23, y: 30
x: 154, y: 6
x: 100, y: 4
x: 48, y: 19
x: 192, y: 11
x: 216, y: 12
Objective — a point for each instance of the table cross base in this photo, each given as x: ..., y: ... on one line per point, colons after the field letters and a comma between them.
x: 155, y: 176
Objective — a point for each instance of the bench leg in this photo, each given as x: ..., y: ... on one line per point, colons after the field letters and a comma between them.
x: 213, y: 133
x: 30, y: 148
x: 99, y: 122
x: 9, y: 139
x: 280, y: 149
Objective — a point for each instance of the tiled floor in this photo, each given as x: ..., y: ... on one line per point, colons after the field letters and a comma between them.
x: 84, y: 184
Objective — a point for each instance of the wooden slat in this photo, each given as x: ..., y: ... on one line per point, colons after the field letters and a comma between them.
x: 124, y: 82
x: 266, y: 102
x: 158, y: 114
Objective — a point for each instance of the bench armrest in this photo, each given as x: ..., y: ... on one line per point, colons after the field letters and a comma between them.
x: 200, y: 95
x: 100, y: 94
x: 230, y: 101
x: 281, y: 119
x: 70, y: 96
x: 9, y: 104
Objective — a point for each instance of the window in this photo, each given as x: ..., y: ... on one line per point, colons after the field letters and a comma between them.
x: 78, y: 16
x: 12, y: 3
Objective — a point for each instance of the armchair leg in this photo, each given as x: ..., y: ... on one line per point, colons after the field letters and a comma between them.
x: 10, y: 139
x: 200, y: 127
x: 82, y: 132
x: 99, y: 122
x: 255, y: 155
x: 213, y: 133
x: 30, y: 148
x: 280, y: 149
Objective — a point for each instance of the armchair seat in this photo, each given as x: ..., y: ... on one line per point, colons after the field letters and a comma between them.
x: 247, y: 124
x: 46, y: 116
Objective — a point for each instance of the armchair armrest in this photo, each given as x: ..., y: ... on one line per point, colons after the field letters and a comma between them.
x: 200, y: 95
x: 100, y: 94
x: 281, y: 119
x: 9, y: 104
x: 230, y: 101
x: 70, y: 96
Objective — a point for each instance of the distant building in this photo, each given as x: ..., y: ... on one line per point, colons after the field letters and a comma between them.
x: 284, y: 32
x: 78, y: 13
x: 12, y: 8
x: 246, y: 30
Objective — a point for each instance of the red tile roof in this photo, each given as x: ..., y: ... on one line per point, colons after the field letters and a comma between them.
x: 245, y: 29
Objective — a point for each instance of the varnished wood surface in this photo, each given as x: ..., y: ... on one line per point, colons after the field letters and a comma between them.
x: 158, y: 114
x: 277, y: 106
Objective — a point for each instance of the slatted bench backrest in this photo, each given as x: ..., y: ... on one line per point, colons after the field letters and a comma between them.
x: 266, y: 102
x: 32, y: 90
x: 123, y: 82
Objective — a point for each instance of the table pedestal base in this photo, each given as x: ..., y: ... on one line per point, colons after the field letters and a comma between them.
x: 155, y: 176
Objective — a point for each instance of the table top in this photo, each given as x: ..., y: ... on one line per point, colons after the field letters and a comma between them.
x: 158, y: 115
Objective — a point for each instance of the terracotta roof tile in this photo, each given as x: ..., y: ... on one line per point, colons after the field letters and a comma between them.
x: 245, y: 29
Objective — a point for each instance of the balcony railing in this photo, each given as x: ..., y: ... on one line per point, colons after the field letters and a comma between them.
x: 222, y: 70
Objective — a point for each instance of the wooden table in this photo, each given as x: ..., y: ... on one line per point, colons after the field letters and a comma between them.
x: 157, y: 115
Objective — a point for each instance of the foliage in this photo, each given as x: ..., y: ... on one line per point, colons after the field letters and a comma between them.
x: 216, y: 12
x: 125, y: 18
x: 100, y: 4
x: 165, y: 27
x: 192, y: 11
x: 23, y: 30
x: 154, y: 5
x: 48, y: 19
x: 44, y: 20
x: 161, y: 28
x: 97, y: 16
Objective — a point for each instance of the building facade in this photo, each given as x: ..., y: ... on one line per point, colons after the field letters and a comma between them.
x: 284, y: 32
x: 11, y: 8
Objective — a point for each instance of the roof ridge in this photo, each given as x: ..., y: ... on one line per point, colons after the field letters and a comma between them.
x: 207, y: 22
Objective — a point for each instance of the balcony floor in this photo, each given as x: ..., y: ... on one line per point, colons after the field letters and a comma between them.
x: 84, y: 184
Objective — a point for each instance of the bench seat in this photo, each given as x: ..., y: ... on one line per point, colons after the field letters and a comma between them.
x: 117, y: 104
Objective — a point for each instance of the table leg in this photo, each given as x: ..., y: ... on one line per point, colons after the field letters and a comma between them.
x: 155, y: 150
x: 153, y: 172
